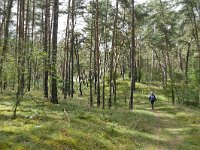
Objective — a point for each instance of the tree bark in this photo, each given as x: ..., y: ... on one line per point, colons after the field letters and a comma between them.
x: 97, y: 52
x: 54, y: 98
x: 91, y: 51
x: 31, y: 50
x: 112, y: 53
x: 187, y: 62
x: 6, y: 36
x: 105, y: 56
x: 132, y: 57
x: 115, y: 54
x: 46, y: 47
x: 196, y: 37
x: 72, y: 50
x: 66, y: 92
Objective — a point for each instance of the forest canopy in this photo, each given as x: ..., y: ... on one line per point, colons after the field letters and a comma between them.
x: 100, y: 74
x: 100, y: 43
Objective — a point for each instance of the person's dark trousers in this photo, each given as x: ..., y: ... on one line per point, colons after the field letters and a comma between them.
x: 152, y: 102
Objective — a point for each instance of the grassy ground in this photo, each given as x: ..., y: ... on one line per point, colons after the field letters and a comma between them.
x: 50, y: 127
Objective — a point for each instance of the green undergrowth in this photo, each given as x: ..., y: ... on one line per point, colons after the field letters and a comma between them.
x: 72, y: 124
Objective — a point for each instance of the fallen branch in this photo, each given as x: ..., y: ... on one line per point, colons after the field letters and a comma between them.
x: 67, y: 115
x: 38, y: 102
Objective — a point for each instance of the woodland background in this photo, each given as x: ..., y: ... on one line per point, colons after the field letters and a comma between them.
x: 122, y: 51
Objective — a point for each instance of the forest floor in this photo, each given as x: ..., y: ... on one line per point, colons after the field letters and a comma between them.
x: 72, y: 124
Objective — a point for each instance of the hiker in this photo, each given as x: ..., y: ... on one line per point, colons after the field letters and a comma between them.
x: 152, y: 99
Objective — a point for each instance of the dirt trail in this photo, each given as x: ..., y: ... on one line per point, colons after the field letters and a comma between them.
x: 173, y: 142
x: 158, y: 131
x: 157, y: 134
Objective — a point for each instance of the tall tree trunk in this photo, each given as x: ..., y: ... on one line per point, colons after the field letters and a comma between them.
x: 50, y: 42
x: 21, y: 48
x: 27, y: 46
x: 132, y: 56
x: 95, y: 55
x: 31, y: 50
x: 95, y: 63
x: 17, y: 38
x: 97, y: 52
x: 139, y: 64
x: 46, y: 47
x: 80, y: 77
x: 6, y: 36
x: 168, y: 60
x: 152, y: 65
x: 115, y: 54
x: 3, y: 18
x: 112, y: 53
x: 54, y: 97
x: 165, y: 77
x: 20, y: 68
x: 196, y: 37
x: 123, y: 49
x: 67, y: 53
x: 72, y: 49
x: 170, y: 67
x: 160, y: 65
x: 105, y: 56
x: 90, y: 73
x: 91, y: 50
x: 187, y: 62
x: 180, y: 57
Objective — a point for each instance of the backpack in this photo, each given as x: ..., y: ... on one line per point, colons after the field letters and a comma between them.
x: 152, y: 97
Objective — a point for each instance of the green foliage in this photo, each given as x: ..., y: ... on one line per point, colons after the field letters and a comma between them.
x: 10, y: 69
x: 189, y: 95
x: 82, y: 114
x: 178, y: 76
x: 194, y: 76
x: 159, y: 27
x: 48, y: 127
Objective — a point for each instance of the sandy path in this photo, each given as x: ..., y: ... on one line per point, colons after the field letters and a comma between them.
x: 158, y: 131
